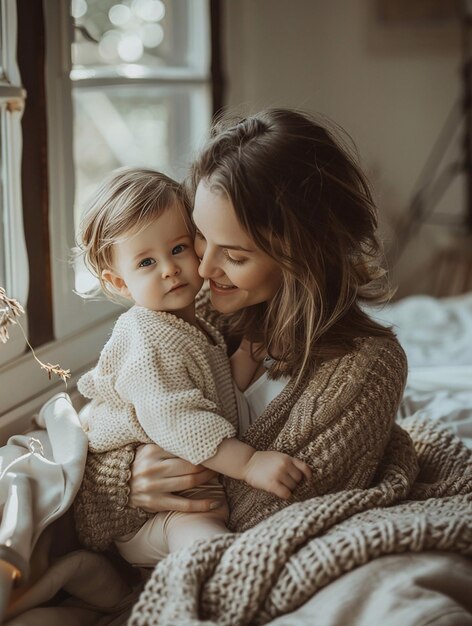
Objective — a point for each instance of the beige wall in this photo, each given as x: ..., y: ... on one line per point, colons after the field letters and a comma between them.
x: 391, y: 86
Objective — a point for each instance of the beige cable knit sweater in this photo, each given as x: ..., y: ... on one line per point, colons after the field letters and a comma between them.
x: 159, y: 379
x: 340, y: 423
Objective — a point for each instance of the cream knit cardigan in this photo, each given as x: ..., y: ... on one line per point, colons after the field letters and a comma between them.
x: 159, y: 379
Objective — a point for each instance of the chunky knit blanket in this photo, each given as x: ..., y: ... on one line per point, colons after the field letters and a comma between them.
x: 271, y: 569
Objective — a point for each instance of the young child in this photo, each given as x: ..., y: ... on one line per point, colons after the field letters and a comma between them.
x: 164, y: 376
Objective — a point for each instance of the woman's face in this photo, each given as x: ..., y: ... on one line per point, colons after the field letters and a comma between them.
x: 240, y: 273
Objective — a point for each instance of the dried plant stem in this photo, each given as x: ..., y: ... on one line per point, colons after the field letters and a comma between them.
x: 8, y: 316
x: 50, y: 369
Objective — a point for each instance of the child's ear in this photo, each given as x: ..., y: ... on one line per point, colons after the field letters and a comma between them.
x: 117, y: 282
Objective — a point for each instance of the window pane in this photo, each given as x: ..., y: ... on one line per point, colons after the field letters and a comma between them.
x: 2, y: 56
x: 13, y: 257
x: 133, y: 125
x: 2, y: 212
x: 153, y: 33
x: 2, y: 174
x: 140, y: 88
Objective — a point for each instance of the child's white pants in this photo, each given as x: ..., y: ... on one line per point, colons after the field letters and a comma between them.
x: 171, y: 529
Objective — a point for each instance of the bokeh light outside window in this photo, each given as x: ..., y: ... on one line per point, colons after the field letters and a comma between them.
x: 141, y: 91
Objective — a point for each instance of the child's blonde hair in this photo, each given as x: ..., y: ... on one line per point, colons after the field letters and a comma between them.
x: 127, y: 200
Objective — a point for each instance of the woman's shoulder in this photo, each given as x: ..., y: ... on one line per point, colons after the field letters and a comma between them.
x: 372, y: 376
x: 378, y: 353
x: 385, y: 348
x: 373, y: 360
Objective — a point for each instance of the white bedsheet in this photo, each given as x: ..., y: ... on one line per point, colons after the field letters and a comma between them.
x: 434, y: 332
x: 437, y: 338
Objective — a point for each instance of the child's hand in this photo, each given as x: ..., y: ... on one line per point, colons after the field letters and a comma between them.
x: 275, y: 472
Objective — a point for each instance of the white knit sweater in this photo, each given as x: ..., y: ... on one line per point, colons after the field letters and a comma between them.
x: 159, y: 379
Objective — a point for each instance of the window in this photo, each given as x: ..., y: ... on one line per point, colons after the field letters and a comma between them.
x: 13, y: 260
x: 141, y: 89
x: 135, y: 91
x: 124, y: 83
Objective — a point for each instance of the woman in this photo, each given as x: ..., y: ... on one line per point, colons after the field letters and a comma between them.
x: 286, y: 235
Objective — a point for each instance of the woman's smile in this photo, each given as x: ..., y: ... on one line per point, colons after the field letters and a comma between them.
x: 240, y: 273
x: 214, y: 285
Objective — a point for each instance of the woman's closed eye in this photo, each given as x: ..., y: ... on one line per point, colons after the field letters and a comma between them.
x: 147, y: 262
x: 200, y: 240
x: 231, y: 259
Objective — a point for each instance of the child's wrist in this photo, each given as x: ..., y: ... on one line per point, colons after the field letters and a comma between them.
x: 248, y: 465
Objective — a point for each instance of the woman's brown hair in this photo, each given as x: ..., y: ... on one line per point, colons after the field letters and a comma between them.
x: 303, y: 199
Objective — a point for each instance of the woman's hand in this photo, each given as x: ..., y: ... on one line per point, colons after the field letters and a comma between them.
x: 156, y: 476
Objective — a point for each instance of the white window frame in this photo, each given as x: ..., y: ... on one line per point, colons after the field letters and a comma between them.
x: 70, y: 310
x: 80, y: 327
x: 12, y: 98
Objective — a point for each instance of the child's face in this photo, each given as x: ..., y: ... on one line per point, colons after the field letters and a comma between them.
x: 157, y: 267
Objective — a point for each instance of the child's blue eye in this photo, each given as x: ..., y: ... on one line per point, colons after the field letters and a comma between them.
x: 178, y: 249
x: 146, y: 262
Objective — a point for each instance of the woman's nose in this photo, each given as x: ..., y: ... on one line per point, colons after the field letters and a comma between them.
x: 208, y: 267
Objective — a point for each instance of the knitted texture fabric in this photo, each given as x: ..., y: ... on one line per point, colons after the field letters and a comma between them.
x: 100, y: 508
x: 339, y: 422
x: 160, y: 380
x: 273, y: 568
x: 94, y: 529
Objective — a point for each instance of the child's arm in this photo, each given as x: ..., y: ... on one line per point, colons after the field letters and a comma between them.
x: 271, y: 471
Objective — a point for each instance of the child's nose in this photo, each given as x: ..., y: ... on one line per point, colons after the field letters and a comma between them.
x: 170, y: 269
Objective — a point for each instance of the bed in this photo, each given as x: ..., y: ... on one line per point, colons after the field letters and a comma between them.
x: 437, y: 337
x: 61, y: 583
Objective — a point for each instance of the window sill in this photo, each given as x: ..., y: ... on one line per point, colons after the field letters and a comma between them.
x: 28, y: 385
